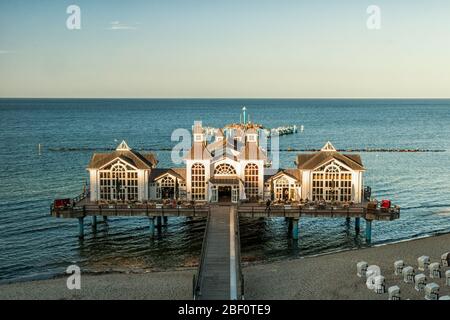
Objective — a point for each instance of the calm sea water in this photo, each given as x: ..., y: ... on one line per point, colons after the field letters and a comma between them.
x: 34, y: 245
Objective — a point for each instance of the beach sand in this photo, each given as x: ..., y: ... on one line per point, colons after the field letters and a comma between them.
x: 330, y: 276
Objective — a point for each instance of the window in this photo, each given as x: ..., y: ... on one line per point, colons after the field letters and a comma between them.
x: 225, y: 169
x: 332, y: 183
x: 198, y: 183
x: 251, y: 181
x: 282, y: 189
x: 119, y: 183
x: 166, y: 188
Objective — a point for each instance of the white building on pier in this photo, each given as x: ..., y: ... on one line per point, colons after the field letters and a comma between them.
x: 232, y: 168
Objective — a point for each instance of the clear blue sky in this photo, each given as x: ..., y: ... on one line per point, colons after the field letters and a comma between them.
x: 227, y: 48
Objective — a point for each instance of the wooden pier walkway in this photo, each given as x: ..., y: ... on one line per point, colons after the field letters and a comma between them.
x: 219, y: 276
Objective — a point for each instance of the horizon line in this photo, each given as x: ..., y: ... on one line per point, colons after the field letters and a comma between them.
x: 227, y: 98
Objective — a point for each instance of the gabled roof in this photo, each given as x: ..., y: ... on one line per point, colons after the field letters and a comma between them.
x: 314, y: 160
x: 123, y: 146
x: 126, y: 154
x: 328, y: 147
x: 293, y: 173
x: 179, y: 173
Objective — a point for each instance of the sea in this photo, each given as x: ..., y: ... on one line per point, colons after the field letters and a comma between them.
x: 46, y: 144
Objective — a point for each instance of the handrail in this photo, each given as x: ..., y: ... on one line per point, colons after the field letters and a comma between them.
x: 307, y: 209
x: 238, y: 258
x: 198, y: 279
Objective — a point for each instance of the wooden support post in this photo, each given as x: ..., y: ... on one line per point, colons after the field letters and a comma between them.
x: 357, y: 224
x: 158, y: 222
x: 81, y: 227
x: 368, y: 231
x: 165, y: 219
x: 105, y: 219
x: 94, y: 222
x: 152, y: 225
x: 295, y: 228
x: 347, y: 220
x: 290, y: 223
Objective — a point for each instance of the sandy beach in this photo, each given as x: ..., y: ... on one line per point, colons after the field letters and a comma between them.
x: 330, y: 276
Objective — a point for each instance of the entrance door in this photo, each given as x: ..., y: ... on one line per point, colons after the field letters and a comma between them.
x: 224, y: 193
x: 214, y: 196
x: 167, y: 193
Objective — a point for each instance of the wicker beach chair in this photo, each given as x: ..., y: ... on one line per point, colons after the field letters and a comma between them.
x: 445, y: 259
x: 423, y: 262
x: 408, y: 274
x: 435, y: 270
x: 432, y: 291
x: 361, y: 269
x: 420, y: 281
x: 398, y: 267
x: 447, y: 278
x: 394, y: 293
x: 379, y: 284
x: 372, y: 272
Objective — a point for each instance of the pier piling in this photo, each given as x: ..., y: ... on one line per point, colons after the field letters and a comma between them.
x: 165, y: 220
x: 368, y: 231
x: 295, y: 229
x: 94, y: 222
x: 158, y: 222
x: 357, y: 224
x: 290, y: 222
x: 81, y: 227
x: 105, y: 219
x: 347, y: 221
x: 152, y: 225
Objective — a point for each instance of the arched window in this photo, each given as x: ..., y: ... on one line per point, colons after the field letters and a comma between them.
x: 251, y: 181
x: 120, y: 182
x: 167, y: 182
x: 166, y: 188
x: 198, y: 182
x: 225, y: 169
x: 332, y: 183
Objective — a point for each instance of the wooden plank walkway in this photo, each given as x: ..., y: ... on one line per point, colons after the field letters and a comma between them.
x: 215, y: 273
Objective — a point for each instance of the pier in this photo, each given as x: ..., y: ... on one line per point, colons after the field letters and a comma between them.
x: 219, y: 274
x: 81, y: 207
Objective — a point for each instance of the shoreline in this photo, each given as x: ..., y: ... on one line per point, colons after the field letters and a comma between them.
x: 324, y: 276
x: 244, y: 264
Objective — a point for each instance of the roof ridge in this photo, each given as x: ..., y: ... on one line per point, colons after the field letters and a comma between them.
x: 346, y: 155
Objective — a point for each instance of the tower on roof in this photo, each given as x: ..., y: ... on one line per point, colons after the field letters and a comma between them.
x: 328, y: 147
x: 197, y: 130
x: 244, y: 115
x: 123, y: 146
x: 252, y: 135
x: 219, y: 135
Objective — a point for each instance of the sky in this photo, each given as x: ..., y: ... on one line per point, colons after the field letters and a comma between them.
x: 225, y: 49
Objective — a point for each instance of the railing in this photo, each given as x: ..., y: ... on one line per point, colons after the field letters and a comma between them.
x: 293, y: 211
x: 80, y: 197
x: 238, y: 259
x: 197, y: 281
x: 129, y: 209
